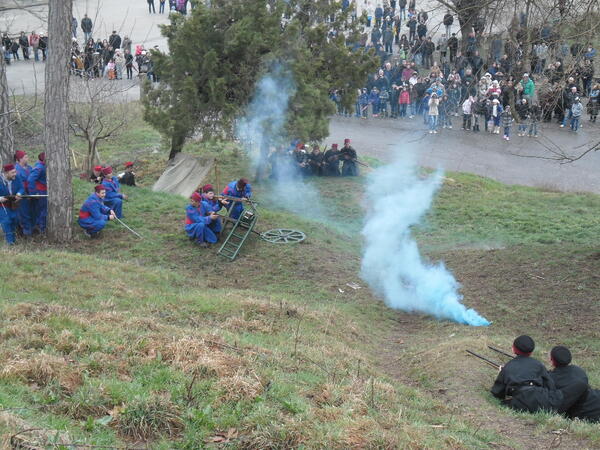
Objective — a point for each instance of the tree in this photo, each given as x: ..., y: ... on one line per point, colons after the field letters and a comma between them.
x: 56, y: 126
x: 6, y: 131
x: 98, y: 111
x: 217, y: 55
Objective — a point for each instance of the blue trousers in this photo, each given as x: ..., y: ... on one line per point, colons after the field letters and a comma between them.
x: 39, y: 212
x: 116, y: 204
x: 92, y: 226
x: 25, y: 216
x: 349, y: 169
x: 216, y: 226
x: 9, y: 220
x: 236, y: 210
x: 200, y: 232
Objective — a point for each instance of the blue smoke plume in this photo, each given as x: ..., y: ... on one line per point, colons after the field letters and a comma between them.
x: 262, y: 129
x: 392, y: 264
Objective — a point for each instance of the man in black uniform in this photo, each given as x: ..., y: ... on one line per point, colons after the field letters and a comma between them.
x: 96, y: 175
x: 349, y: 158
x: 587, y: 407
x: 315, y: 161
x: 128, y: 177
x: 332, y: 161
x: 525, y: 385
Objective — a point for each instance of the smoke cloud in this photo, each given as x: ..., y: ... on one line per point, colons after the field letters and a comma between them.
x: 262, y: 129
x: 392, y: 264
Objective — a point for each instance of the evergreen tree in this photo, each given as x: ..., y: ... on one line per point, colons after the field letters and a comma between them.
x: 217, y: 54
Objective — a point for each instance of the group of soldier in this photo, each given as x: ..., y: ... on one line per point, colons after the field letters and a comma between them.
x: 202, y: 223
x: 524, y: 384
x: 106, y: 202
x: 299, y: 161
x: 23, y: 197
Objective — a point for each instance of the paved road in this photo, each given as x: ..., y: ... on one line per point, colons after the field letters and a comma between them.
x: 128, y: 17
x: 480, y: 153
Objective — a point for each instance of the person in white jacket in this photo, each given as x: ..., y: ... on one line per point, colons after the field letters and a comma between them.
x: 467, y: 108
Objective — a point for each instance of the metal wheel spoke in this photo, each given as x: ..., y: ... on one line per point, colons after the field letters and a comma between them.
x: 283, y: 236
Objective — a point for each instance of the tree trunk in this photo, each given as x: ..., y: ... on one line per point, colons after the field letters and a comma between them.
x: 6, y: 131
x: 176, y: 145
x: 56, y: 129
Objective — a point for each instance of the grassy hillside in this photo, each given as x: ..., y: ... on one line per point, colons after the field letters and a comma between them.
x: 120, y: 341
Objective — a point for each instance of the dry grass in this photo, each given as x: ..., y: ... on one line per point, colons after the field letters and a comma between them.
x: 191, y: 353
x: 41, y: 369
x: 240, y: 386
x: 148, y: 418
x: 237, y: 323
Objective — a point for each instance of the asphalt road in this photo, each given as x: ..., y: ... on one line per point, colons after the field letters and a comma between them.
x: 519, y: 161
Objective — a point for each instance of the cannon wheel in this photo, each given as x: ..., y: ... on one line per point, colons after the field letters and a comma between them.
x: 283, y: 236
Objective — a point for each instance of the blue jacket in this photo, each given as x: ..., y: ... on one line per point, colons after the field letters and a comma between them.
x: 232, y: 190
x: 195, y: 215
x: 23, y: 174
x: 36, y: 182
x: 93, y: 212
x: 13, y: 187
x: 211, y: 205
x: 113, y: 188
x: 374, y: 98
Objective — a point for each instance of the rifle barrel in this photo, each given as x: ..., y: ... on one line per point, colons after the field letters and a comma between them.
x: 497, y: 350
x: 483, y: 358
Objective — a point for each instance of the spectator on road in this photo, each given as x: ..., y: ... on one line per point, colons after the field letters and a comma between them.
x: 86, y: 27
x: 74, y: 25
x: 24, y: 44
x: 34, y: 42
x: 151, y: 8
x: 114, y: 40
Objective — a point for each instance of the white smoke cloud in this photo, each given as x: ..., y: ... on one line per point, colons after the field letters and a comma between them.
x: 263, y: 127
x: 392, y: 264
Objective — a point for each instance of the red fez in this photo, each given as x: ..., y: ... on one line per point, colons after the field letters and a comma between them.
x: 19, y: 154
x: 99, y: 187
x: 196, y: 197
x: 346, y: 141
x: 334, y: 146
x: 42, y: 156
x: 207, y: 188
x: 98, y: 168
x: 128, y: 164
x: 107, y: 170
x: 8, y: 167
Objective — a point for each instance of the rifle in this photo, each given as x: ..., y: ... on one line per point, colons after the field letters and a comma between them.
x: 483, y: 358
x: 12, y: 198
x: 128, y: 228
x: 234, y: 199
x: 500, y: 351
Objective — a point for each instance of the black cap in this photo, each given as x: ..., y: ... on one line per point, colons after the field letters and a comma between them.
x: 561, y: 355
x: 524, y: 343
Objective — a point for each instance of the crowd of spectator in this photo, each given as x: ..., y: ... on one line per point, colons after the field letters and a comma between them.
x: 490, y: 81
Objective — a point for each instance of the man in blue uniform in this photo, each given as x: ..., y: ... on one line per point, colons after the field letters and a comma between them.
x: 114, y: 197
x: 197, y: 221
x: 36, y: 185
x: 240, y: 189
x: 24, y: 212
x: 11, y: 190
x: 93, y: 214
x: 213, y: 205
